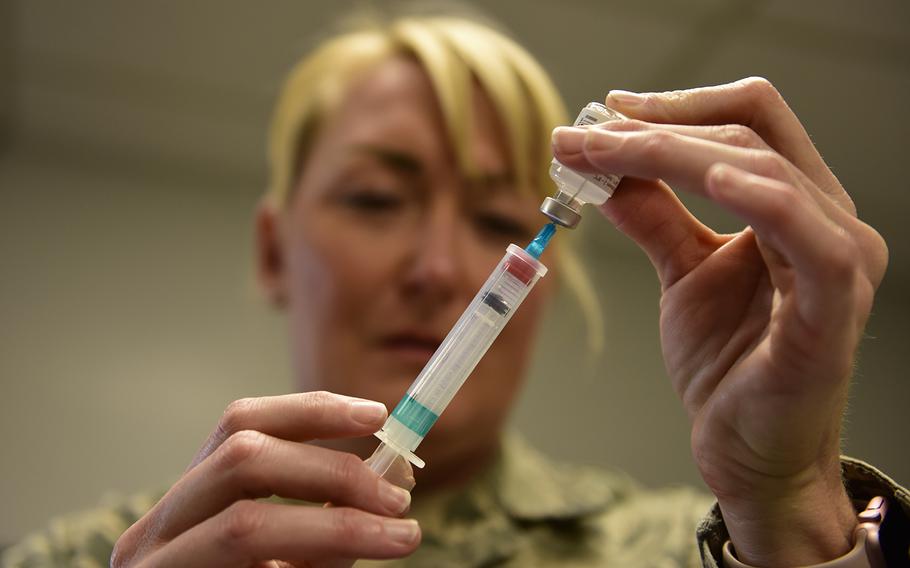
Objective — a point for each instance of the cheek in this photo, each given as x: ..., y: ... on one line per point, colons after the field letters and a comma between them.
x: 310, y: 293
x: 334, y: 270
x: 331, y: 287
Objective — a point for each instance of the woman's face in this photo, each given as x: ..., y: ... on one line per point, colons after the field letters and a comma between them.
x: 385, y: 242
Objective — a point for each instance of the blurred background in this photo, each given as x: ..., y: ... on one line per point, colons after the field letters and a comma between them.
x: 132, y: 155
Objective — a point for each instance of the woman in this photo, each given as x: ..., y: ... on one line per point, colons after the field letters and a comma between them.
x: 404, y: 159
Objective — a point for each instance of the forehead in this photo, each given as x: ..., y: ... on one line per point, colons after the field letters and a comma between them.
x: 394, y: 96
x: 394, y: 104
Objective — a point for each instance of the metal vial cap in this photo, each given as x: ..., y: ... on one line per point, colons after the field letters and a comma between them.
x: 560, y: 213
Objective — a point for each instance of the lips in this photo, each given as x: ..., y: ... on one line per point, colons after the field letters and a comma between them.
x: 410, y: 347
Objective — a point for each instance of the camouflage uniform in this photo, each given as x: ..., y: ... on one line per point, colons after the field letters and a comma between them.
x: 524, y: 511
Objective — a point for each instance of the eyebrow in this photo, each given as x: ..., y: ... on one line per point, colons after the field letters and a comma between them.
x: 406, y: 163
x: 397, y: 160
x: 496, y: 181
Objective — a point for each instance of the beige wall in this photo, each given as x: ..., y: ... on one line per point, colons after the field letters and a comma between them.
x: 133, y: 161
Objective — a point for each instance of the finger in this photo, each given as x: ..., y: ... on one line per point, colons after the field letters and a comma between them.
x: 250, y: 532
x: 300, y: 417
x: 735, y: 135
x: 681, y: 161
x: 253, y: 465
x: 732, y: 134
x: 652, y: 215
x: 876, y: 257
x: 822, y: 255
x: 738, y: 265
x: 752, y: 102
x: 401, y: 473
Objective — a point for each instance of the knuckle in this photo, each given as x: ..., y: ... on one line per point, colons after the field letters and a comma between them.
x: 625, y: 125
x: 843, y: 258
x: 760, y: 90
x: 236, y: 415
x: 240, y: 522
x: 770, y: 164
x: 872, y: 248
x: 865, y: 298
x: 347, y: 471
x: 347, y: 524
x: 667, y: 105
x: 875, y: 249
x: 656, y: 143
x: 880, y: 255
x: 784, y: 204
x: 677, y: 97
x: 846, y: 201
x: 318, y: 404
x: 739, y: 135
x: 241, y: 448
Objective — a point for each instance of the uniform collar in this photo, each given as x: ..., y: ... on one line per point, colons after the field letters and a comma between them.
x: 530, y: 487
x: 489, y: 520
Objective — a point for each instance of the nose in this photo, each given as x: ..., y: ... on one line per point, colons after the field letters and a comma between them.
x: 432, y: 271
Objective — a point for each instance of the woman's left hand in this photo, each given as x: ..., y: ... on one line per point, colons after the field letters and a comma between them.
x: 758, y: 328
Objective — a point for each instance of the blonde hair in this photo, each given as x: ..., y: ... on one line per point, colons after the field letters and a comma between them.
x: 457, y: 53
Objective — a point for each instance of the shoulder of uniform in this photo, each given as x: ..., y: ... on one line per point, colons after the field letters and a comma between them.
x: 654, y: 527
x: 667, y: 505
x: 85, y: 538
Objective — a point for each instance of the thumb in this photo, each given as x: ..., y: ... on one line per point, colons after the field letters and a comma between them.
x: 401, y: 473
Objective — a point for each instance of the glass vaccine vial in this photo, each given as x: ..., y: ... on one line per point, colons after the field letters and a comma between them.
x: 574, y: 189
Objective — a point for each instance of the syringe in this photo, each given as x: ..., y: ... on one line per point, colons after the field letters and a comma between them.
x: 459, y: 353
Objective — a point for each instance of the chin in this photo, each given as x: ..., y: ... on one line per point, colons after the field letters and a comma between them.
x: 387, y: 388
x: 461, y: 428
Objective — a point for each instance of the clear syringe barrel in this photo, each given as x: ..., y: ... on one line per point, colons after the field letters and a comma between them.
x: 456, y: 357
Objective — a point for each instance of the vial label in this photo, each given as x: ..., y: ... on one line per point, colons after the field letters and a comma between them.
x: 573, y: 183
x: 596, y: 113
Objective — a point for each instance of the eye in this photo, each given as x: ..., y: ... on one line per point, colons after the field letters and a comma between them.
x: 501, y: 226
x: 371, y: 200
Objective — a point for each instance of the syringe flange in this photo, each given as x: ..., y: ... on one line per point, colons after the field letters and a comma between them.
x: 408, y: 454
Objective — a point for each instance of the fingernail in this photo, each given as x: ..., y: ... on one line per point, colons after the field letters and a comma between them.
x: 568, y: 139
x: 625, y: 98
x: 367, y: 412
x: 402, y: 531
x: 394, y: 498
x: 599, y: 140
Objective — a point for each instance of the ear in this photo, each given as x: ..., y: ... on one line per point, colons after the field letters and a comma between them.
x: 270, y: 250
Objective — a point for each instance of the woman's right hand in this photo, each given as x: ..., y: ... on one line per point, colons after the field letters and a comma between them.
x: 211, y: 516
